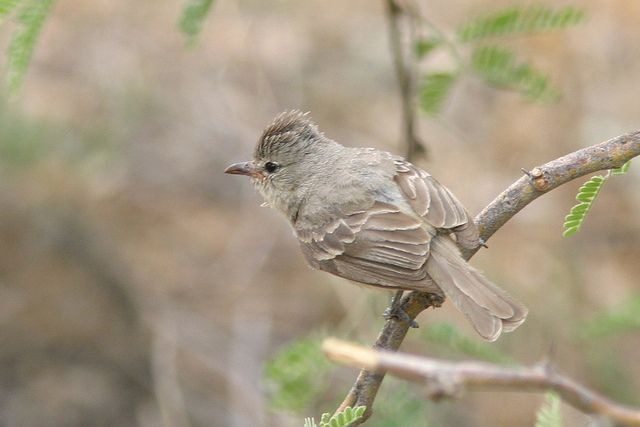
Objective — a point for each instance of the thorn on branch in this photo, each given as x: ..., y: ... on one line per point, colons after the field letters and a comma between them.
x: 526, y: 172
x: 537, y: 175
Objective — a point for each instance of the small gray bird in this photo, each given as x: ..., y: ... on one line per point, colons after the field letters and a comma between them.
x: 372, y: 217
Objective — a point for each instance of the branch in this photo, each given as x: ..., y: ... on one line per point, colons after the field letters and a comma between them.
x: 446, y: 379
x: 542, y: 179
x: 405, y: 72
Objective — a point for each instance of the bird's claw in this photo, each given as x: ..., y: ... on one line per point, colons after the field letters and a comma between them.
x: 395, y: 311
x: 399, y: 314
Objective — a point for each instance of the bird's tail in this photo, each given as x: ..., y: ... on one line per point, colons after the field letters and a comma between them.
x: 490, y: 310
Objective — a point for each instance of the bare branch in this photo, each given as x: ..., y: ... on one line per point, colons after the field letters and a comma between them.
x: 447, y: 379
x: 405, y: 72
x: 542, y: 179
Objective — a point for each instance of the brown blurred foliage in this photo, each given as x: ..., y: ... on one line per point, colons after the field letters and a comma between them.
x: 141, y: 286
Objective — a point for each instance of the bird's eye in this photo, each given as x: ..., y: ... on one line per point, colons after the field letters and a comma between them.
x: 271, y: 167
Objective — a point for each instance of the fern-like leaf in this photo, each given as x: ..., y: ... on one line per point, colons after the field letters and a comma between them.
x: 340, y: 419
x: 498, y: 66
x: 622, y: 169
x: 435, y: 90
x: 344, y: 418
x: 297, y: 374
x: 549, y: 414
x: 31, y: 17
x: 586, y: 196
x: 192, y: 18
x: 519, y: 20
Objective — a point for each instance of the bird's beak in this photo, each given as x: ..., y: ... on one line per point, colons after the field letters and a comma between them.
x: 243, y: 168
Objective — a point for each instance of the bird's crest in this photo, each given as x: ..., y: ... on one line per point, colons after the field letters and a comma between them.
x: 286, y: 129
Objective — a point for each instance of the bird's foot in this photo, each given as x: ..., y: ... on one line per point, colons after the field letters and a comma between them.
x: 483, y: 243
x: 435, y: 300
x: 395, y: 311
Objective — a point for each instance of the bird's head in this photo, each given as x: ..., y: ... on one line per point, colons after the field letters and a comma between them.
x: 290, y: 153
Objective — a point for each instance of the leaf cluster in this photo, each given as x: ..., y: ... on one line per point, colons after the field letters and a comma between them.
x: 488, y: 59
x: 586, y: 196
x: 549, y: 414
x: 340, y: 419
x: 519, y: 20
x: 29, y: 16
x: 192, y: 18
x: 297, y: 374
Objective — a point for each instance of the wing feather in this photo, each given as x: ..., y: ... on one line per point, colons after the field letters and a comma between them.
x: 384, y: 245
x: 380, y: 246
x: 435, y: 203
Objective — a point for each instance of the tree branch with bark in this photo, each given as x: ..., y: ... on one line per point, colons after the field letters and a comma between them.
x: 610, y: 154
x: 447, y: 379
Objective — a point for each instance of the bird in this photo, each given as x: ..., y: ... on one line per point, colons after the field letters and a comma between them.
x: 374, y: 218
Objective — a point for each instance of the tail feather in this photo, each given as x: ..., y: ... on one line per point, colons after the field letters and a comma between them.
x: 490, y: 309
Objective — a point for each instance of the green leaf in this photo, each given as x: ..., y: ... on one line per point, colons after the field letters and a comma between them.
x: 622, y: 169
x: 344, y: 418
x: 586, y: 196
x: 297, y: 374
x: 570, y: 231
x: 580, y: 208
x: 519, y: 20
x: 572, y: 217
x: 348, y: 412
x: 572, y: 224
x: 423, y: 47
x: 450, y: 337
x: 498, y: 66
x: 30, y: 18
x: 434, y: 91
x: 549, y: 414
x: 192, y: 19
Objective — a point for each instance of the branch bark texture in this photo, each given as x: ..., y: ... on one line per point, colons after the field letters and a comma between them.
x: 540, y: 180
x: 447, y: 379
x: 405, y: 73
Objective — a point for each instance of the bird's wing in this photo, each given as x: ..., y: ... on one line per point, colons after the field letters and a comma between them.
x: 435, y: 203
x: 380, y: 246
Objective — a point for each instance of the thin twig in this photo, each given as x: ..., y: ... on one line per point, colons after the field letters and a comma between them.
x: 416, y: 14
x: 540, y: 180
x: 447, y: 379
x: 405, y: 72
x: 166, y: 382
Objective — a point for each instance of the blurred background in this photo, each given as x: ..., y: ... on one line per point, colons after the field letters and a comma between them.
x: 140, y: 286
